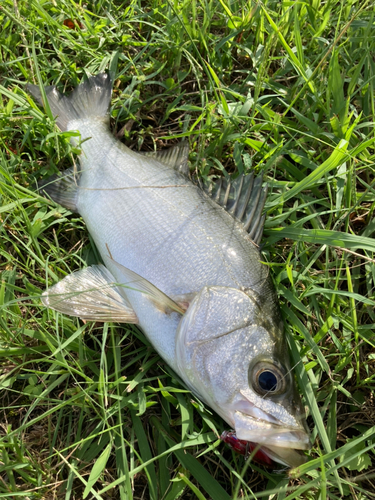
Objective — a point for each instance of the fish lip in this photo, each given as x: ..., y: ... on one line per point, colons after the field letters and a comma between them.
x: 269, y: 431
x: 286, y: 456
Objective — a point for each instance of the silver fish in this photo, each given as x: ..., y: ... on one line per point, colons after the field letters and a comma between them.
x: 182, y: 262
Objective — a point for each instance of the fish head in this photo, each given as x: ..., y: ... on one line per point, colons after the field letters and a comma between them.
x: 231, y: 352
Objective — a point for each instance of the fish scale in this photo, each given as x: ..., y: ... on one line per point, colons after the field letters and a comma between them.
x: 183, y: 225
x: 180, y: 263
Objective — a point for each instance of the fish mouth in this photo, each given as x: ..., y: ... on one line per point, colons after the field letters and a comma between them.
x: 264, y: 455
x: 266, y: 430
x: 288, y: 457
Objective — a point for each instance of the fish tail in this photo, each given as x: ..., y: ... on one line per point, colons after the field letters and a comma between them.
x: 90, y: 99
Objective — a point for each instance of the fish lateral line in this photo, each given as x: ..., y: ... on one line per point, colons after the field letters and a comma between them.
x: 136, y: 187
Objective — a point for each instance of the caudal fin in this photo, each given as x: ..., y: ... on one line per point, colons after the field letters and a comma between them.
x: 90, y: 99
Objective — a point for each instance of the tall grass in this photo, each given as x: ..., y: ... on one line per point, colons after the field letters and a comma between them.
x: 284, y: 88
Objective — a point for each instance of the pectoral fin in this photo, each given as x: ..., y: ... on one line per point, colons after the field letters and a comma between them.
x: 91, y: 294
x: 135, y: 282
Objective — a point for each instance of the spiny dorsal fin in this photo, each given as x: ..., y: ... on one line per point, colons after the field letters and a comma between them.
x: 175, y: 157
x: 243, y: 198
x: 62, y: 188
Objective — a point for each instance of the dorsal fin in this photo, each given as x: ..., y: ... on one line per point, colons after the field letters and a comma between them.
x: 175, y: 157
x: 243, y: 198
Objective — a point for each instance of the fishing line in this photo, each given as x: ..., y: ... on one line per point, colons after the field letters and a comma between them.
x: 282, y: 378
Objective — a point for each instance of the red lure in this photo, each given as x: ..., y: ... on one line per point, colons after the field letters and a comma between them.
x: 69, y: 23
x: 245, y: 448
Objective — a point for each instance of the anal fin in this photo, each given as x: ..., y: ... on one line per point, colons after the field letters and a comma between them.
x: 90, y: 294
x: 62, y: 188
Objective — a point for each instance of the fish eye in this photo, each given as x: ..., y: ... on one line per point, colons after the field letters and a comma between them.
x: 267, y: 379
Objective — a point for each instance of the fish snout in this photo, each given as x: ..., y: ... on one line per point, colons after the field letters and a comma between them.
x: 258, y: 426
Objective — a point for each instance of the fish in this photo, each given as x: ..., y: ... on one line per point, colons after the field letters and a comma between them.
x: 181, y: 260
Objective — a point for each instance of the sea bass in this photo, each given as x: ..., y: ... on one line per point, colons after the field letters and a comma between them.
x: 182, y: 262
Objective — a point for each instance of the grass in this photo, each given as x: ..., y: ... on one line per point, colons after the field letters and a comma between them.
x: 284, y: 88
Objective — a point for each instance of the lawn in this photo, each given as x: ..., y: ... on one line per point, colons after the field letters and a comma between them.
x: 284, y: 89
